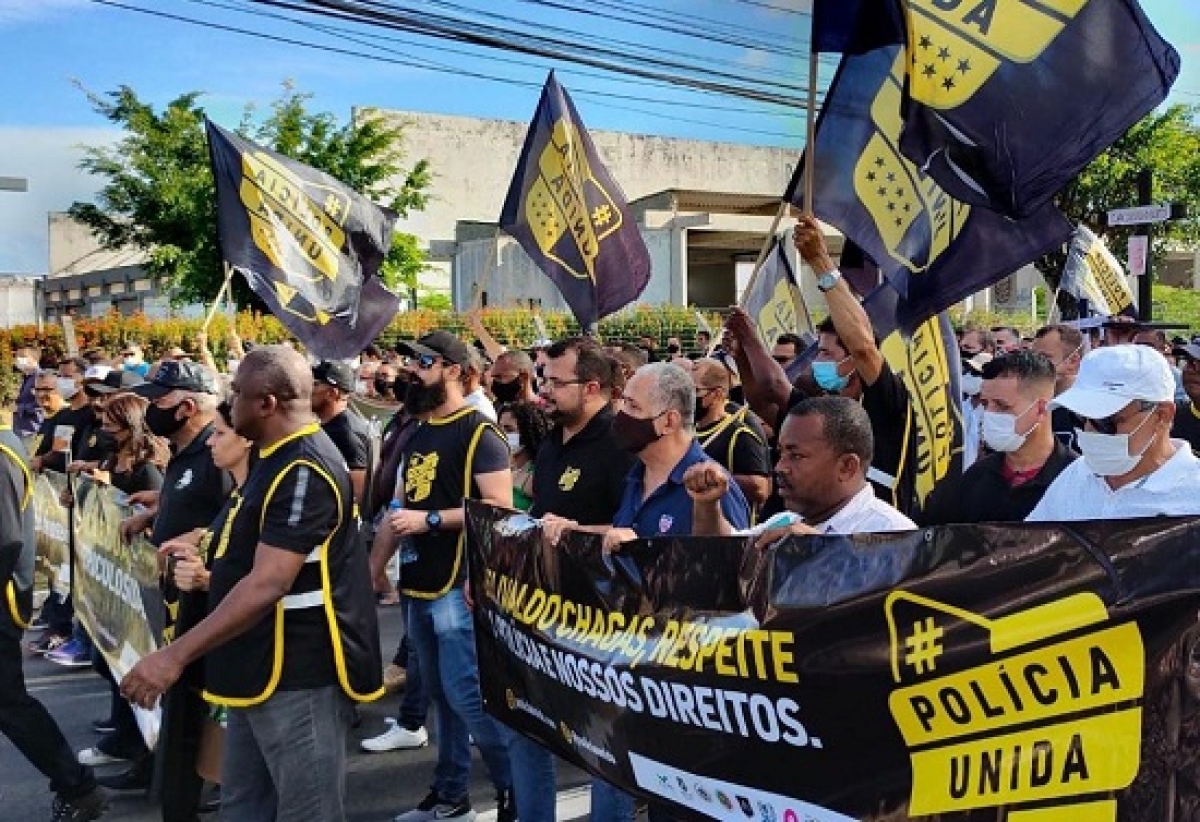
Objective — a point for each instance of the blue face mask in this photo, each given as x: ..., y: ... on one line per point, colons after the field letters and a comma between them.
x: 825, y: 372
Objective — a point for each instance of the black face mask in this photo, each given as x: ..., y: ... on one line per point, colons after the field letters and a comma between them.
x: 633, y: 434
x: 672, y: 349
x: 700, y: 410
x: 162, y: 422
x: 399, y: 389
x: 507, y: 391
x: 383, y: 386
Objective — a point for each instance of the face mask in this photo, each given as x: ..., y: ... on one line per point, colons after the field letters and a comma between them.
x: 360, y: 386
x: 162, y: 422
x: 400, y: 389
x: 514, y: 441
x: 507, y: 391
x: 966, y: 355
x: 66, y: 387
x: 971, y: 384
x: 23, y: 363
x: 825, y: 372
x: 633, y: 434
x: 1000, y: 431
x: 700, y: 410
x: 672, y: 349
x: 232, y: 365
x: 1107, y: 455
x: 383, y: 386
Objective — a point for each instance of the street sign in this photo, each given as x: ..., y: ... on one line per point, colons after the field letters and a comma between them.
x: 14, y: 184
x: 1140, y: 215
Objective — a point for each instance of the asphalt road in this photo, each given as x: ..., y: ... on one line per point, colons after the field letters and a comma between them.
x: 379, y: 785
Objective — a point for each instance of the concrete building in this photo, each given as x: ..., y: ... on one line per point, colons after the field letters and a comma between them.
x: 20, y: 299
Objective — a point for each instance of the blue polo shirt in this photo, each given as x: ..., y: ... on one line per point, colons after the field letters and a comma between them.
x: 668, y: 510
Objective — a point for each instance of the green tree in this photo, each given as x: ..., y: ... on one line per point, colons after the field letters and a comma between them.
x: 159, y: 195
x: 1168, y: 143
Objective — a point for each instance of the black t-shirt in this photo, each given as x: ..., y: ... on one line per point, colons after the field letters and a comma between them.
x: 144, y: 476
x: 732, y: 443
x: 439, y: 466
x: 86, y: 442
x: 886, y: 404
x: 352, y: 437
x: 296, y: 499
x: 983, y: 495
x: 193, y: 490
x: 584, y: 478
x: 1187, y: 424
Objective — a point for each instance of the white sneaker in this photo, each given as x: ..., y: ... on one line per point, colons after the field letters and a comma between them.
x: 94, y: 757
x: 396, y: 738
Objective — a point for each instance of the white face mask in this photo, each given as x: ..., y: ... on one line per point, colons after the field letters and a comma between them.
x: 66, y: 387
x: 1000, y: 431
x: 514, y: 441
x: 971, y: 384
x: 360, y: 387
x: 23, y: 363
x: 1107, y: 455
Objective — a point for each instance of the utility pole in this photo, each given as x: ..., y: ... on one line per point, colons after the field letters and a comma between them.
x: 1145, y: 184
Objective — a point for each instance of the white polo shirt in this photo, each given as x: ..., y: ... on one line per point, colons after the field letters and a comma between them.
x: 1171, y: 491
x: 866, y: 513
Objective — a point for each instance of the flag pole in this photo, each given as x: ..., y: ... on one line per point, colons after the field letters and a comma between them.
x: 810, y: 130
x: 220, y: 294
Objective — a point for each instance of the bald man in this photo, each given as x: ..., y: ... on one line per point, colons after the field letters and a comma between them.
x: 726, y: 437
x: 290, y: 528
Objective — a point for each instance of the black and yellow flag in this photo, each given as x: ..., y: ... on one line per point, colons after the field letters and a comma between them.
x: 933, y: 249
x: 307, y: 244
x: 774, y: 301
x: 570, y: 216
x: 1008, y: 101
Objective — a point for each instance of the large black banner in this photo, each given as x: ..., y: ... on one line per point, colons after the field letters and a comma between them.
x: 1031, y: 673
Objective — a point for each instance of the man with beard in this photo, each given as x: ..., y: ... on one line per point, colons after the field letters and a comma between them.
x: 183, y: 404
x: 512, y: 378
x: 456, y: 453
x: 291, y: 636
x: 578, y: 475
x: 333, y: 383
x: 825, y: 449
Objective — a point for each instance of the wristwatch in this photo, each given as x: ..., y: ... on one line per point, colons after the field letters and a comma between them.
x: 828, y: 280
x: 434, y: 520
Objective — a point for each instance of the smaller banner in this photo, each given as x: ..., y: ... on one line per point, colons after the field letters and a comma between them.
x: 774, y: 301
x: 570, y: 216
x: 308, y: 244
x: 1092, y: 273
x: 52, y: 524
x: 115, y: 586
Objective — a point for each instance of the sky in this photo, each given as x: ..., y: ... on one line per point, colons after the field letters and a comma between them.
x: 239, y: 53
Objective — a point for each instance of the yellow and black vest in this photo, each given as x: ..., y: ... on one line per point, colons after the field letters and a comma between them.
x: 17, y: 543
x: 324, y: 631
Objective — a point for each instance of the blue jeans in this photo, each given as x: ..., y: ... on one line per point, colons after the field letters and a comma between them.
x: 611, y: 804
x: 285, y: 760
x: 441, y: 632
x: 535, y: 778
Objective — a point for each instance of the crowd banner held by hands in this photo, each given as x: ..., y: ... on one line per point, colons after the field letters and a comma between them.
x: 307, y: 244
x: 933, y: 249
x: 113, y: 585
x: 1092, y: 273
x: 570, y: 216
x: 1005, y: 106
x: 1047, y: 670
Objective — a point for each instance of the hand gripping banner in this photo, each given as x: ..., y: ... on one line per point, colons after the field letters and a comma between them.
x: 976, y: 672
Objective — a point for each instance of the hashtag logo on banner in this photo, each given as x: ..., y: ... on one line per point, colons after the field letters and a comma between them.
x: 924, y: 646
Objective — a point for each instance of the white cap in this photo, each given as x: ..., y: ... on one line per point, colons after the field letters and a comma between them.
x: 96, y: 373
x: 1111, y: 378
x: 977, y: 362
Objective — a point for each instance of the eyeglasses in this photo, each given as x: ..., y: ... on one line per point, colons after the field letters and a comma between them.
x: 1108, y: 425
x: 554, y: 383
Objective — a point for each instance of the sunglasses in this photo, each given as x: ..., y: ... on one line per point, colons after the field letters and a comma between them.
x: 422, y: 361
x: 1108, y: 425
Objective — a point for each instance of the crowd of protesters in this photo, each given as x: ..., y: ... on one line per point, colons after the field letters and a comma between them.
x: 283, y: 517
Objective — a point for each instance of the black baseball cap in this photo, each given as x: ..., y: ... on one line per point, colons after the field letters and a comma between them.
x: 177, y: 375
x: 335, y: 373
x: 437, y: 344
